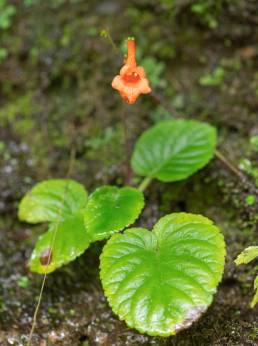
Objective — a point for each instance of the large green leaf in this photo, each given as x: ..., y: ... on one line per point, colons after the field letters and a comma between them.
x: 51, y: 200
x: 67, y: 239
x: 162, y: 281
x: 174, y: 149
x: 111, y: 209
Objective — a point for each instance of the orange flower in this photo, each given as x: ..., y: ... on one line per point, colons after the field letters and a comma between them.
x: 131, y: 81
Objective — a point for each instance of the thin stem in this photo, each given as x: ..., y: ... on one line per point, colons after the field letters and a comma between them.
x: 52, y: 242
x: 230, y: 165
x: 244, y: 179
x: 127, y: 169
x: 106, y: 34
x: 144, y: 184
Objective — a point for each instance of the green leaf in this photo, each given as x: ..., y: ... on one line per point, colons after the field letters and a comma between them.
x: 247, y: 255
x: 70, y: 241
x: 52, y: 199
x: 60, y: 202
x: 174, y: 149
x: 110, y: 209
x: 160, y: 282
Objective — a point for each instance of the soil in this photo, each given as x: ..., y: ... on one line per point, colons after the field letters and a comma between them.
x: 55, y: 93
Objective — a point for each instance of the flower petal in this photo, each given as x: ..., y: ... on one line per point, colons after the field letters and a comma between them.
x: 117, y: 83
x: 143, y: 86
x: 140, y: 71
x: 130, y: 94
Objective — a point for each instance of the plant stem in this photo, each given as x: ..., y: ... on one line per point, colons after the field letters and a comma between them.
x: 226, y: 162
x: 144, y: 184
x: 244, y: 179
x: 111, y: 41
x: 127, y: 169
x: 52, y: 242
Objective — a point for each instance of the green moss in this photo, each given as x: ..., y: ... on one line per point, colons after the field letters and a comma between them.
x: 19, y: 114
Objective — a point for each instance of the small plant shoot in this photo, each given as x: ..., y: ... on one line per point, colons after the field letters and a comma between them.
x: 246, y: 256
x: 160, y: 282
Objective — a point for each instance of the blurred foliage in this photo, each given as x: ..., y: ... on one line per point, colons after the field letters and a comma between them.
x: 7, y: 11
x: 208, y: 11
x: 250, y: 199
x: 23, y: 281
x: 254, y: 142
x: 213, y: 79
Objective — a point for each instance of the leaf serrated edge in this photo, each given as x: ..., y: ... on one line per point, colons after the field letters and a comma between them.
x: 94, y: 239
x: 30, y: 195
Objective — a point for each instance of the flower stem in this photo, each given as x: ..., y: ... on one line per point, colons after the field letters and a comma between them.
x: 144, y: 184
x: 105, y: 33
x: 127, y: 169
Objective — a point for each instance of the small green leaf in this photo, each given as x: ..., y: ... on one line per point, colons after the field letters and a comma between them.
x: 160, y: 282
x: 111, y: 209
x: 247, y: 255
x: 70, y: 241
x: 51, y: 200
x: 174, y: 149
x: 59, y: 201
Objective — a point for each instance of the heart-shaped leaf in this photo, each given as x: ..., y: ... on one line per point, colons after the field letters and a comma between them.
x: 111, y: 209
x: 51, y: 200
x: 174, y: 149
x: 64, y: 241
x: 162, y: 281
